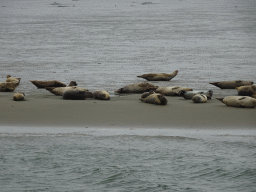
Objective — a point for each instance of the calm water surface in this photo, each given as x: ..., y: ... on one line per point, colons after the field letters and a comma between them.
x: 96, y: 159
x: 105, y: 44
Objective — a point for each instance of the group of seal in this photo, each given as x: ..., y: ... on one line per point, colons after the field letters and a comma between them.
x: 246, y: 90
x: 151, y: 93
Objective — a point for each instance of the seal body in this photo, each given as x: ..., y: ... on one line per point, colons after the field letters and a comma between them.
x: 189, y: 94
x: 249, y: 90
x: 101, y: 95
x: 44, y: 84
x: 231, y: 84
x: 154, y: 98
x: 199, y: 98
x: 159, y: 76
x: 76, y: 95
x: 60, y: 90
x: 137, y: 88
x: 239, y: 101
x: 9, y: 86
x: 171, y: 91
x: 18, y: 96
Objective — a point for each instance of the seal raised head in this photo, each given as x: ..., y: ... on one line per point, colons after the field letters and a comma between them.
x: 18, y: 96
x: 238, y: 101
x: 12, y: 79
x: 154, y: 98
x: 76, y: 95
x: 137, y: 88
x: 231, y: 84
x: 172, y: 91
x: 159, y: 76
x: 51, y: 83
x: 199, y: 98
x: 101, y: 95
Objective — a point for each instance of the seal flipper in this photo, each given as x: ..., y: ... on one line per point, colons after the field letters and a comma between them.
x: 241, y: 98
x: 220, y: 99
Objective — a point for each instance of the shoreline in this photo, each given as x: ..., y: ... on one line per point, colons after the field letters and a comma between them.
x: 43, y: 109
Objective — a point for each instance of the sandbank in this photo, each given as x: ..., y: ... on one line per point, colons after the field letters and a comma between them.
x: 43, y: 109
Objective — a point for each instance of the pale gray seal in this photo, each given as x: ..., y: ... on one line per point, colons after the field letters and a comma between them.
x: 137, y: 88
x: 159, y: 76
x: 238, y: 101
x: 101, y: 95
x: 231, y: 84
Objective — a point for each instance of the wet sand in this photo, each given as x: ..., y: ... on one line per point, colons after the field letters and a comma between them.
x: 42, y: 109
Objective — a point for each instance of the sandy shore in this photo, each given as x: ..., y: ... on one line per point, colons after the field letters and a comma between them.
x: 41, y: 108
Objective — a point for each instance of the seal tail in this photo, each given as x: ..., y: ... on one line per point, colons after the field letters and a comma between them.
x: 140, y: 76
x: 220, y: 99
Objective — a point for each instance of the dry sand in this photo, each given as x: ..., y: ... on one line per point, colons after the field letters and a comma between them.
x: 42, y: 108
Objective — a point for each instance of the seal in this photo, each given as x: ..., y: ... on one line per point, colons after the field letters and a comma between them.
x: 238, y: 101
x: 248, y: 90
x: 58, y: 91
x: 137, y: 88
x: 76, y: 95
x: 154, y: 98
x: 101, y: 95
x: 199, y: 98
x: 12, y: 79
x: 18, y: 96
x: 231, y: 84
x: 9, y: 86
x: 159, y: 76
x: 189, y: 94
x: 44, y: 84
x: 172, y: 91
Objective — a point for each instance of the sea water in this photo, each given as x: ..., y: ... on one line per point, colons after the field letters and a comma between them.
x: 105, y: 44
x: 130, y: 159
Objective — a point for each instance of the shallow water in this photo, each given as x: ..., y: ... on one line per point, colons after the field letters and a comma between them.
x: 106, y: 44
x: 97, y: 159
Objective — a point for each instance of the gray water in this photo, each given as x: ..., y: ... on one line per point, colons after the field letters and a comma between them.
x: 105, y: 44
x: 98, y: 159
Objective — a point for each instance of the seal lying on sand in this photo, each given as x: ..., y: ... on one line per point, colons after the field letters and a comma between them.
x: 199, y: 98
x: 231, y: 84
x: 44, y: 84
x: 101, y: 95
x: 76, y: 95
x: 171, y: 91
x: 12, y: 79
x: 248, y: 90
x: 18, y: 96
x: 137, y: 88
x: 9, y: 86
x: 154, y: 98
x: 189, y: 94
x: 60, y: 90
x: 159, y: 76
x: 238, y: 101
